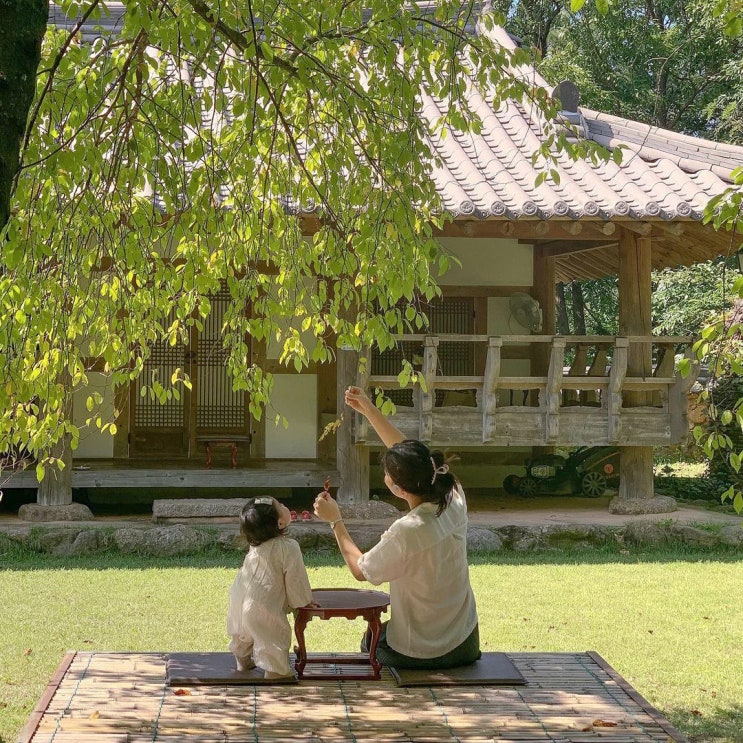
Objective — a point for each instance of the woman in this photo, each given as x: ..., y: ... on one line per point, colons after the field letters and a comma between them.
x: 423, y: 554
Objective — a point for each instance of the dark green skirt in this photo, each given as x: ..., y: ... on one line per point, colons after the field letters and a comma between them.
x: 467, y: 652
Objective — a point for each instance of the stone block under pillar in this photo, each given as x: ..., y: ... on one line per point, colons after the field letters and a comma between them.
x: 639, y: 506
x: 67, y: 512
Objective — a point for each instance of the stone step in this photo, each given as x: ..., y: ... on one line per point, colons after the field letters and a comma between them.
x: 185, y: 509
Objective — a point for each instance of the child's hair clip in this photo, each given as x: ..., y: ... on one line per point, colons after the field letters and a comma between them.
x: 263, y: 501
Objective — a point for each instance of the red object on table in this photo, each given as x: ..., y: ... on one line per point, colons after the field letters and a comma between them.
x: 350, y: 603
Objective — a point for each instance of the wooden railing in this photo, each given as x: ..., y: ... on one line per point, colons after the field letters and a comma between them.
x: 579, y: 394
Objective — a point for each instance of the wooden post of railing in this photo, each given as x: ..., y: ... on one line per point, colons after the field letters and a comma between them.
x: 553, y: 392
x: 428, y: 396
x: 489, y: 400
x: 679, y: 400
x: 577, y: 369
x: 614, y: 393
x: 664, y: 368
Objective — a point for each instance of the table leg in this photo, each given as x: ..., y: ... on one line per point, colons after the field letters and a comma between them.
x: 300, y: 622
x: 375, y: 629
x: 234, y: 456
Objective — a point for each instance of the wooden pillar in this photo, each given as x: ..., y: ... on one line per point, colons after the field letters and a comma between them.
x: 635, y: 472
x: 353, y: 459
x: 635, y: 462
x: 543, y: 290
x: 635, y: 307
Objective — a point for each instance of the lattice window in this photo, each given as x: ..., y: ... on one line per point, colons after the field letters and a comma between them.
x: 163, y: 361
x: 447, y: 315
x: 218, y: 406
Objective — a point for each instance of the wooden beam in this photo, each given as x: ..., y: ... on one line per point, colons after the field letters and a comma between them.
x: 604, y: 265
x: 556, y: 248
x: 672, y: 228
x: 639, y: 228
x: 526, y: 229
x: 460, y: 290
x: 572, y: 228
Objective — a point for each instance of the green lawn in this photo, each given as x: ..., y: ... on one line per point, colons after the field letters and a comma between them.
x: 671, y: 623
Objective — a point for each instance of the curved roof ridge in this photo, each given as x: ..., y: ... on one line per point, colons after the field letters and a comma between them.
x: 653, y: 142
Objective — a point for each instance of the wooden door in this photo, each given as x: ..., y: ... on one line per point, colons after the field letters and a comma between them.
x: 161, y: 429
x: 211, y: 409
x: 218, y: 411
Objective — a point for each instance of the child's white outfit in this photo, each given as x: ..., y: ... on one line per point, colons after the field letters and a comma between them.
x: 272, y: 581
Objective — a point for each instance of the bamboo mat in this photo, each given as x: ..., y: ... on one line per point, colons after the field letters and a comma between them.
x: 98, y: 697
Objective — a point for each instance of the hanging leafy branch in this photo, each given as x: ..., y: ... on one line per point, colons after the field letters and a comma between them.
x: 185, y: 151
x: 721, y: 347
x: 721, y: 342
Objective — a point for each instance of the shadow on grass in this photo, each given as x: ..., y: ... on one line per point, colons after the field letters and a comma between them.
x: 724, y: 726
x: 21, y: 559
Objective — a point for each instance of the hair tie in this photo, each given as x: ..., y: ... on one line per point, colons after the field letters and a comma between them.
x: 438, y: 470
x: 263, y: 502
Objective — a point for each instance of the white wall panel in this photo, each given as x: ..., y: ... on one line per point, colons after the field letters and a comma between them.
x: 93, y: 443
x: 295, y: 397
x: 488, y: 262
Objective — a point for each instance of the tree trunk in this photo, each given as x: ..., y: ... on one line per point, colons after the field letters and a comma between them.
x: 579, y: 308
x: 563, y: 324
x: 22, y: 27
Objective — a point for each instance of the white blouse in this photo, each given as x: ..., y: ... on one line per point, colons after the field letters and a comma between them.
x: 424, y: 558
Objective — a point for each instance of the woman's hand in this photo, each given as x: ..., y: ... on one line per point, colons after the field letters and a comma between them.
x: 326, y: 509
x: 357, y: 399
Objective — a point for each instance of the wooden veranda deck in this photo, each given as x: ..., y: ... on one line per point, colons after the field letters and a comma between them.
x: 184, y: 473
x: 569, y: 697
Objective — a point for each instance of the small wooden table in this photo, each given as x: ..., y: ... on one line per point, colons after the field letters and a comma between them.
x: 211, y: 441
x: 350, y: 603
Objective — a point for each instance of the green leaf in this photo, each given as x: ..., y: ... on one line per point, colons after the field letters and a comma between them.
x: 267, y: 51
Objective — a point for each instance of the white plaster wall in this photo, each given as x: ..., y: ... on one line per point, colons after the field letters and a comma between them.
x: 295, y: 397
x: 488, y: 262
x: 275, y: 348
x: 93, y: 443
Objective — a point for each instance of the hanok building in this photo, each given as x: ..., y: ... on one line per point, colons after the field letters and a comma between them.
x: 499, y: 382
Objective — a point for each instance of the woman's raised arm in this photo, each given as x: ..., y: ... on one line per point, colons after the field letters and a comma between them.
x: 357, y: 399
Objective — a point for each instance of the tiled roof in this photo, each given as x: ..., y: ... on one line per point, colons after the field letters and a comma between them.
x: 663, y: 176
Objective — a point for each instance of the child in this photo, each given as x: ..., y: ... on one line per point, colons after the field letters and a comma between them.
x: 271, y: 582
